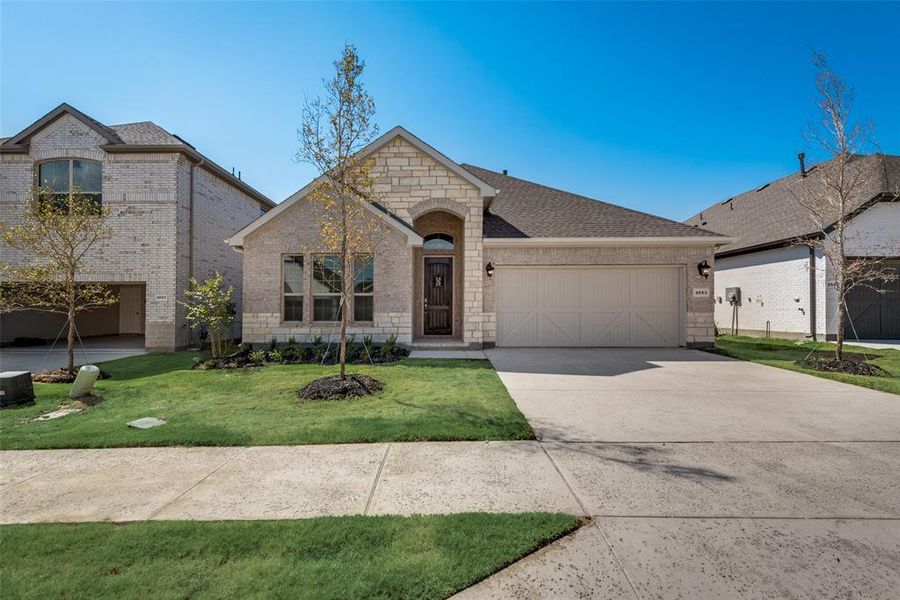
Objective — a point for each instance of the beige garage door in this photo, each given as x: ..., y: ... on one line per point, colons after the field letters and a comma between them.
x: 588, y: 306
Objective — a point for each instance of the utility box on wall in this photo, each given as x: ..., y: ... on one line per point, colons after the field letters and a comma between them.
x: 733, y: 295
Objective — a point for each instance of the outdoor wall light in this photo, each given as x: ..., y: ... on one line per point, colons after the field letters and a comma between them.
x: 489, y: 269
x: 703, y: 268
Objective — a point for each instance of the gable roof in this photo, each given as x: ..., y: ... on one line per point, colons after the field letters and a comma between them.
x: 771, y: 215
x: 523, y: 209
x: 21, y: 139
x: 141, y: 137
x: 237, y: 239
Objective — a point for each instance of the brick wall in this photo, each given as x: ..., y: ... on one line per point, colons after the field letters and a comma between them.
x: 295, y: 231
x: 774, y: 290
x: 147, y: 196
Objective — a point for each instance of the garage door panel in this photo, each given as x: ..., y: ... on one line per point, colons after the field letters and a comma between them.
x: 589, y: 306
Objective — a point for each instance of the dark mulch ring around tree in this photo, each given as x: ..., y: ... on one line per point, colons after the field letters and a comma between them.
x: 335, y: 388
x: 851, y: 365
x: 60, y: 376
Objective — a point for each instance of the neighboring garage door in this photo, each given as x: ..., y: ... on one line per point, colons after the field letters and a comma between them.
x: 874, y: 316
x: 588, y: 306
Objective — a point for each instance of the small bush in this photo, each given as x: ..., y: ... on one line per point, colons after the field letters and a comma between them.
x: 319, y: 349
x: 390, y: 348
x: 257, y: 357
x: 273, y: 344
x: 276, y: 356
x: 368, y: 349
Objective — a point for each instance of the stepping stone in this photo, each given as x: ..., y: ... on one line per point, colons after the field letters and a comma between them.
x: 146, y: 423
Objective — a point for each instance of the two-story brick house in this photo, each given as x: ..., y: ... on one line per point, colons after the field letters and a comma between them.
x: 170, y: 210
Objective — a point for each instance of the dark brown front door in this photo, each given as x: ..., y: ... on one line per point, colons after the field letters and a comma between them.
x: 438, y: 296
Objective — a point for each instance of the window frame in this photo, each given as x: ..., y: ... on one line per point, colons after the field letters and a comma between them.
x: 363, y: 294
x: 439, y: 235
x: 70, y: 161
x: 301, y: 294
x: 314, y: 295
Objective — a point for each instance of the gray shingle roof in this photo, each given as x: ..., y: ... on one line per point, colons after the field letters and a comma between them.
x: 772, y: 214
x: 524, y: 209
x: 145, y: 133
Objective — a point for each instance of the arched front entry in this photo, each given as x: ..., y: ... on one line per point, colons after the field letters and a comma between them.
x: 438, y: 276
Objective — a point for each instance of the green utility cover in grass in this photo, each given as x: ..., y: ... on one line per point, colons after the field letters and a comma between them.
x: 328, y: 557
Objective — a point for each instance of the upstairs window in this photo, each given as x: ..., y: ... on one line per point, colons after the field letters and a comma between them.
x: 438, y: 241
x: 64, y: 177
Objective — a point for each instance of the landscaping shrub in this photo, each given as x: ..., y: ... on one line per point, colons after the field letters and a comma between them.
x: 257, y: 357
x: 275, y: 356
x: 319, y: 349
x: 390, y: 348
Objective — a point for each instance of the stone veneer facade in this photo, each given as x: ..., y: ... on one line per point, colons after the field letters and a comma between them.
x: 148, y: 196
x: 433, y: 199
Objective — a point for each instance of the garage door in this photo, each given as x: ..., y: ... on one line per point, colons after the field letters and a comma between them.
x: 875, y: 316
x: 588, y: 306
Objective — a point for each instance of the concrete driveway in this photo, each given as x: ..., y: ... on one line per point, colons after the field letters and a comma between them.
x: 94, y: 350
x: 708, y: 477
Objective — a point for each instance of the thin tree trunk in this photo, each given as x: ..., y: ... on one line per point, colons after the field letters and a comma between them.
x: 70, y: 338
x: 70, y: 343
x: 345, y: 280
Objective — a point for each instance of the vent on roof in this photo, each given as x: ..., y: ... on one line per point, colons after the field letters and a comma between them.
x: 505, y: 172
x: 762, y: 187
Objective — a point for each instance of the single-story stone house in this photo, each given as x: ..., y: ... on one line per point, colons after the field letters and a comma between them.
x: 170, y: 207
x: 787, y: 288
x: 476, y: 258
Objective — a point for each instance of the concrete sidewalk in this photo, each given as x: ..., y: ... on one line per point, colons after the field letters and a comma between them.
x: 683, y: 520
x: 742, y: 480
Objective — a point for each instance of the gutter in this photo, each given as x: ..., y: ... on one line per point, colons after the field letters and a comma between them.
x: 607, y: 241
x: 195, y: 157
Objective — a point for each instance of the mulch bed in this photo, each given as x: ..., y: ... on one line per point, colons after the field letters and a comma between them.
x: 335, y: 388
x: 851, y: 365
x: 61, y: 376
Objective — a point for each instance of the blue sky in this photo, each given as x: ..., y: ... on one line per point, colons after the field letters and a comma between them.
x: 661, y: 107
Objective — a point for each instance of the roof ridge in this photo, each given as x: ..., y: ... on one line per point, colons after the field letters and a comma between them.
x: 618, y: 206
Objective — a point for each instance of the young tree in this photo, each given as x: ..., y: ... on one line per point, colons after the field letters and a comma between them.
x: 334, y: 129
x: 832, y: 193
x: 58, y: 233
x: 208, y: 306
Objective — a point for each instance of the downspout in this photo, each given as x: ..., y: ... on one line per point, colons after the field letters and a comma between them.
x: 812, y: 293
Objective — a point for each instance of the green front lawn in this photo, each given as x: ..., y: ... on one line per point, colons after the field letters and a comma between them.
x: 783, y: 353
x: 421, y: 400
x: 329, y: 557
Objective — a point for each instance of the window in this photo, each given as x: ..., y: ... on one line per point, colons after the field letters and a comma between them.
x: 292, y: 289
x: 363, y: 288
x: 438, y: 241
x: 64, y: 177
x: 326, y: 287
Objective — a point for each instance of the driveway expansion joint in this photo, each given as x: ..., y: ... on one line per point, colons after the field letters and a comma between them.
x: 377, y: 479
x: 195, y: 484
